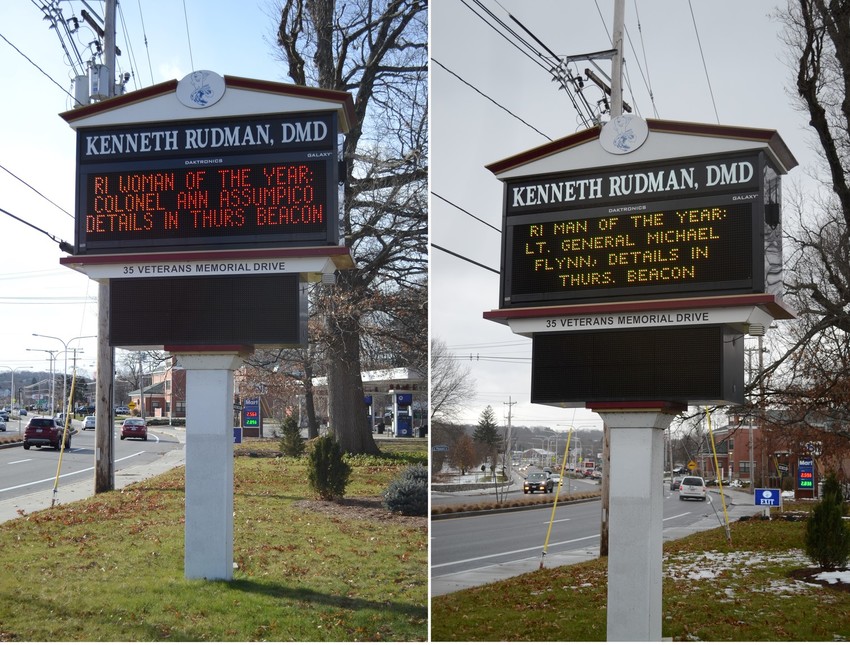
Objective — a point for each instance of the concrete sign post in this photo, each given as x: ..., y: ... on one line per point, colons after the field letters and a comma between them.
x: 209, y: 464
x: 635, y: 522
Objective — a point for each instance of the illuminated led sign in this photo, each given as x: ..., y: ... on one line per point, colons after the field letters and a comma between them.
x: 805, y: 473
x: 695, y: 227
x: 243, y: 183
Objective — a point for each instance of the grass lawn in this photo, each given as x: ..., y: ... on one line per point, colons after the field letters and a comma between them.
x: 110, y: 568
x: 711, y: 591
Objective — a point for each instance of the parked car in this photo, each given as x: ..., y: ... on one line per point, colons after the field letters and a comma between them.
x: 134, y: 427
x: 537, y: 481
x: 88, y: 423
x: 675, y: 483
x: 122, y: 409
x: 2, y: 426
x: 4, y: 415
x: 45, y: 431
x: 692, y: 487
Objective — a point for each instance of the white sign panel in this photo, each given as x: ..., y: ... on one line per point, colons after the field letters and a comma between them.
x: 745, y: 315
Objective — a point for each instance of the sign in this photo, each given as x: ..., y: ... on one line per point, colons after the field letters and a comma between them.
x: 625, y: 320
x: 132, y: 405
x: 440, y: 448
x: 404, y: 399
x: 237, y: 435
x: 251, y: 413
x: 676, y: 228
x: 806, y: 473
x: 243, y: 182
x: 684, y: 364
x: 767, y: 497
x: 692, y: 465
x: 258, y: 310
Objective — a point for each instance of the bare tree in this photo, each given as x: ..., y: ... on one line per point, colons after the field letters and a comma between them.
x: 378, y: 51
x: 812, y: 371
x: 451, y: 383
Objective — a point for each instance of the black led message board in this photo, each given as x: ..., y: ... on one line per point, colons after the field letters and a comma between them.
x: 257, y: 309
x: 245, y: 182
x: 635, y: 233
x: 700, y: 364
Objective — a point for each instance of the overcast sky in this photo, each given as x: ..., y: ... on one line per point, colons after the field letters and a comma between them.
x: 491, y: 101
x: 36, y: 293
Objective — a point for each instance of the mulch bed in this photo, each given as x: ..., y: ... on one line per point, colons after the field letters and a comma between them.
x: 361, y: 508
x: 809, y: 575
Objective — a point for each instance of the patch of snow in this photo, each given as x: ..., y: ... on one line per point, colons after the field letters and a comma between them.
x: 835, y: 576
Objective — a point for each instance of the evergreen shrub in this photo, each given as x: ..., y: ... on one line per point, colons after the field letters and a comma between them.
x: 408, y: 493
x: 827, y: 533
x: 327, y: 472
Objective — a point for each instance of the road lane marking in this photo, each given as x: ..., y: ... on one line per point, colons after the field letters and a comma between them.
x: 20, y: 461
x: 497, y: 555
x: 76, y: 472
x: 674, y: 517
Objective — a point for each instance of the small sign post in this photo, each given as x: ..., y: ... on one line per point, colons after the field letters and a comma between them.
x: 767, y: 498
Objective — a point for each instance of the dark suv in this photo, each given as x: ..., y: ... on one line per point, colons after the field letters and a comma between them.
x: 538, y: 481
x: 45, y: 431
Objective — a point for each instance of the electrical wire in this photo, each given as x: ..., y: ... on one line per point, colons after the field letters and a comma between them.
x: 463, y: 210
x: 34, y: 64
x: 188, y: 40
x: 464, y: 258
x: 704, y: 66
x: 496, y: 103
x: 63, y: 245
x: 36, y: 191
x: 145, y: 36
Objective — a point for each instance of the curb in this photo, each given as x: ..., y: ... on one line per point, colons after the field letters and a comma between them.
x: 529, y: 507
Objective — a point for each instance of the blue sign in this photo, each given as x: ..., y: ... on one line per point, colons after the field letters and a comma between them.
x: 806, y: 473
x: 404, y: 399
x: 237, y: 435
x: 768, y: 497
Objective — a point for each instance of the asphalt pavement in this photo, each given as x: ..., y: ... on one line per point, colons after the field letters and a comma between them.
x: 14, y: 507
x: 738, y: 504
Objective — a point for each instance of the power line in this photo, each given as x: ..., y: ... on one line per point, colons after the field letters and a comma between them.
x: 63, y: 245
x: 36, y: 191
x: 493, y: 101
x: 704, y: 67
x: 463, y: 210
x: 466, y: 259
x: 31, y: 62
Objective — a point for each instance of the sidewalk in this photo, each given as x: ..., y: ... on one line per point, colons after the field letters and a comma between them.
x: 12, y: 508
x: 738, y: 504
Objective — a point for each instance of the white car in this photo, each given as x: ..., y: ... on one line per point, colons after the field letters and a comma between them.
x: 88, y: 423
x: 692, y: 487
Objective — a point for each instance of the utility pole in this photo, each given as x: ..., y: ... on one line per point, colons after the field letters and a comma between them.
x: 104, y: 454
x: 617, y: 59
x: 616, y: 110
x: 508, y: 454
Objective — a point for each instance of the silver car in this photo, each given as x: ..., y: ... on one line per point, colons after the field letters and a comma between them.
x: 692, y: 487
x: 88, y: 423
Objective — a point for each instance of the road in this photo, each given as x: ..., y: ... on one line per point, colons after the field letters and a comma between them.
x: 27, y: 471
x: 465, y: 544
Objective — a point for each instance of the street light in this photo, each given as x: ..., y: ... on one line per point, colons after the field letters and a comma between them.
x: 52, y: 353
x: 65, y: 372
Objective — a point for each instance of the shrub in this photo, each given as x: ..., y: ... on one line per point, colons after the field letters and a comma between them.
x: 408, y: 493
x: 827, y: 534
x: 291, y: 442
x: 327, y: 472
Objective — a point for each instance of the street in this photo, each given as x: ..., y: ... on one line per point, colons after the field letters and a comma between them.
x: 468, y: 543
x: 28, y: 471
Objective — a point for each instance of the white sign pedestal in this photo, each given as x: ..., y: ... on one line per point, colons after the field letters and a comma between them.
x: 209, y: 464
x: 636, y: 498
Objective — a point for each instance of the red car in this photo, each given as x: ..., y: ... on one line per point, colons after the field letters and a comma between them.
x: 134, y: 427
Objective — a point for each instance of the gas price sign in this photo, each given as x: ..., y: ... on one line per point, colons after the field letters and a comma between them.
x: 269, y: 181
x: 679, y: 227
